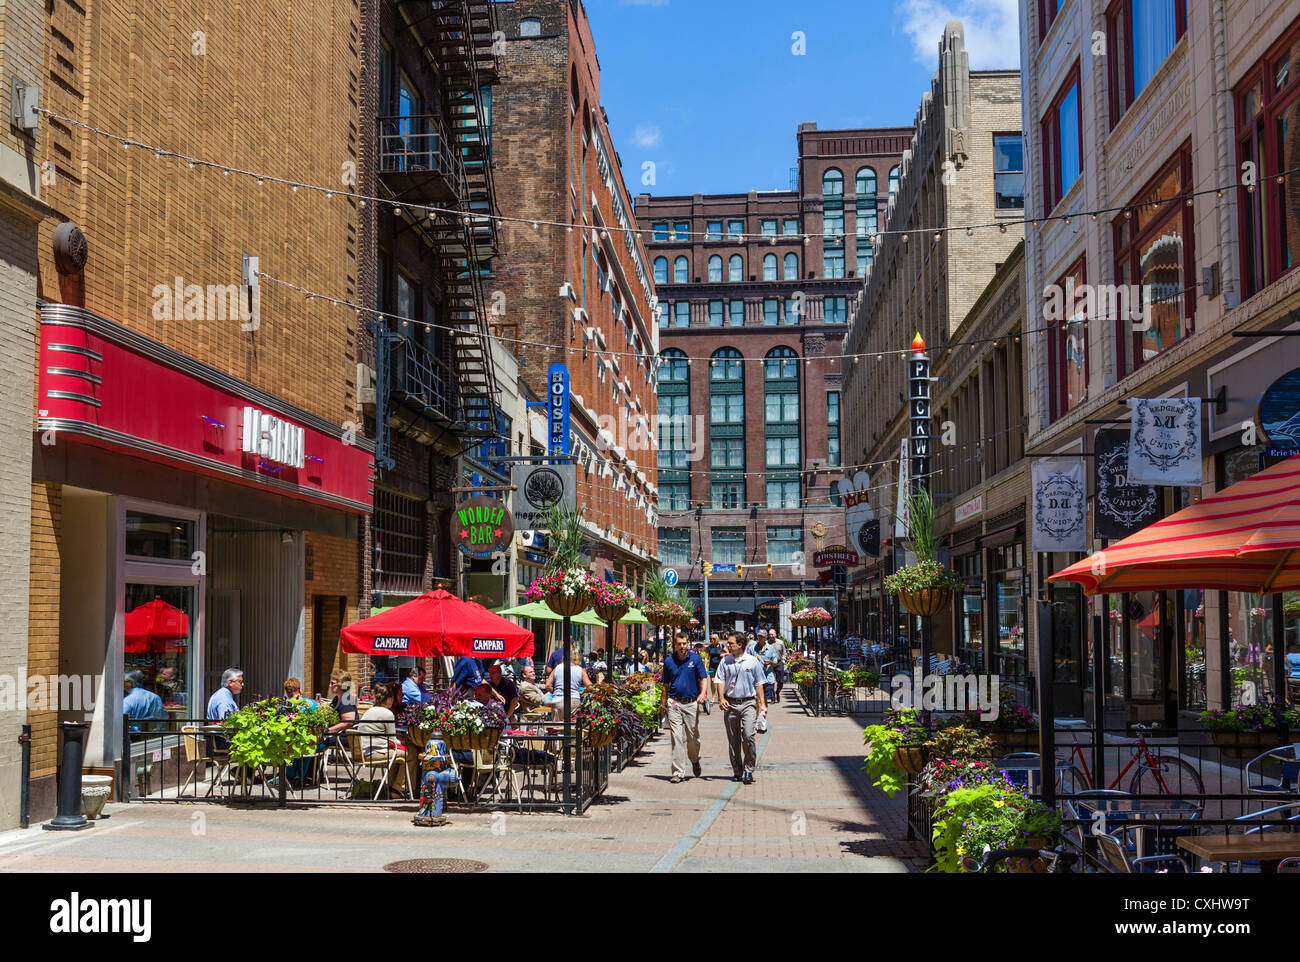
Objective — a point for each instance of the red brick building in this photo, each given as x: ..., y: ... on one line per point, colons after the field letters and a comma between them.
x: 755, y: 291
x: 582, y: 295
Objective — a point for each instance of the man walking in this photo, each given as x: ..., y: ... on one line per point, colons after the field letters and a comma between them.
x: 685, y: 688
x: 775, y: 640
x: 739, y: 681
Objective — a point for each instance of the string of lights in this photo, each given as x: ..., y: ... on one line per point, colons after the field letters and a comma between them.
x: 263, y: 178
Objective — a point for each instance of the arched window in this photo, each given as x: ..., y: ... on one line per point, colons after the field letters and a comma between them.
x: 674, y: 393
x: 681, y: 271
x: 661, y: 270
x: 573, y: 89
x: 530, y: 27
x: 792, y: 266
x: 769, y: 267
x: 893, y: 180
x: 782, y: 457
x: 736, y: 269
x: 833, y: 183
x: 715, y: 269
x: 727, y: 428
x: 865, y: 184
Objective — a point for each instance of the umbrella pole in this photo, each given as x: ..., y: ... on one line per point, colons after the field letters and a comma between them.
x: 568, y: 723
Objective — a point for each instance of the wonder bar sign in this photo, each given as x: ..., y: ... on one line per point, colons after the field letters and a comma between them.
x: 481, y: 527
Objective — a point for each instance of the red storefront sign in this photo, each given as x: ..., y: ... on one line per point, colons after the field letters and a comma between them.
x: 109, y: 386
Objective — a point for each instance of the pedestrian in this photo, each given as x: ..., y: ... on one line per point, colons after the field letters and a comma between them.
x: 685, y: 687
x: 739, y: 681
x: 767, y: 655
x: 775, y: 640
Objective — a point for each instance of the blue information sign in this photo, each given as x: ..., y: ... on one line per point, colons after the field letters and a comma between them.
x: 670, y: 577
x: 557, y: 411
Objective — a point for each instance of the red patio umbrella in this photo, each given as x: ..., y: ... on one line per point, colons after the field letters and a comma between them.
x: 156, y: 626
x: 438, y: 623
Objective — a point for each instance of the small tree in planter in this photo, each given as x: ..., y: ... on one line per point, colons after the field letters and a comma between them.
x: 924, y: 587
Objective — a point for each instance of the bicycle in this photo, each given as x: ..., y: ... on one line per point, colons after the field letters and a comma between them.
x: 1148, y: 779
x: 1052, y: 861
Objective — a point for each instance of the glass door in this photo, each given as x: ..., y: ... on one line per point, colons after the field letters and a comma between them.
x: 160, y: 624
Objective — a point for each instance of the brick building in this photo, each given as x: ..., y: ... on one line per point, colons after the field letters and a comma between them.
x: 580, y: 295
x: 962, y: 167
x: 754, y: 293
x: 195, y: 488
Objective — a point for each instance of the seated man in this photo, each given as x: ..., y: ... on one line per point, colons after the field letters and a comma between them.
x: 138, y: 702
x: 502, y: 689
x: 412, y: 690
x: 222, y: 702
x: 530, y: 693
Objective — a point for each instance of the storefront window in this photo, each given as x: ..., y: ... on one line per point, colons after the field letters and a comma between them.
x: 1115, y: 645
x: 1250, y: 648
x: 1194, y: 649
x: 970, y: 647
x: 159, y: 626
x: 155, y: 536
x: 1006, y: 584
x: 1145, y: 626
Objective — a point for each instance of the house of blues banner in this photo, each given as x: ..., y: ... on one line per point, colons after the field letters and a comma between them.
x: 1166, y: 444
x: 1121, y: 508
x: 1060, y: 507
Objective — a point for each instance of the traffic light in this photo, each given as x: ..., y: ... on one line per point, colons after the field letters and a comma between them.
x: 708, y: 569
x: 769, y: 569
x: 740, y: 571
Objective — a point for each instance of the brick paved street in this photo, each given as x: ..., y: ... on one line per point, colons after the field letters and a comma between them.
x: 811, y: 809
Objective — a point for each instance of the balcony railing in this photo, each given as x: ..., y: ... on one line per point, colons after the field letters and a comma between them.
x: 423, y: 380
x: 418, y: 145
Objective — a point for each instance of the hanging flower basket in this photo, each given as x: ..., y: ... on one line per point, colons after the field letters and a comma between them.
x: 925, y: 601
x: 486, y: 740
x: 665, y: 613
x: 924, y: 588
x: 912, y: 758
x: 612, y: 600
x: 811, y: 618
x: 567, y: 593
x: 611, y: 613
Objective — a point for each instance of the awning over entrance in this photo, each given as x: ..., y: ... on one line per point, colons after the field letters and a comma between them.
x: 1243, y: 538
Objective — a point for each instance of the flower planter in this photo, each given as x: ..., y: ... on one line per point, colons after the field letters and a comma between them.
x: 1245, y: 744
x: 658, y: 620
x: 911, y: 758
x: 925, y: 601
x: 600, y: 739
x: 485, y: 740
x: 1008, y: 742
x: 611, y: 613
x: 567, y: 606
x: 95, y: 790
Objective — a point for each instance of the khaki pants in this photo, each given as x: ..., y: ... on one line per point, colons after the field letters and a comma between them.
x: 684, y: 729
x: 739, y: 720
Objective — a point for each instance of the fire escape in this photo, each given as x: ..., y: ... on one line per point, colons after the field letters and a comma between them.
x: 443, y: 160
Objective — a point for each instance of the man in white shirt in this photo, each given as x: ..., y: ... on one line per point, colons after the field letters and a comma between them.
x: 739, y: 681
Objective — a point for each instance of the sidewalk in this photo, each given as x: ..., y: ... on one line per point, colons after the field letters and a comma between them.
x: 811, y: 809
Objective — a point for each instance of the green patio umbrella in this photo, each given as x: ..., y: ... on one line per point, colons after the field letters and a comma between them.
x: 633, y: 617
x: 542, y: 611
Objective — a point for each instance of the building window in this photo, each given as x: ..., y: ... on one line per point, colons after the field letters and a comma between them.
x: 661, y: 232
x: 726, y: 452
x: 681, y: 271
x: 661, y: 313
x: 401, y: 541
x: 1067, y: 362
x: 836, y: 309
x: 833, y: 429
x: 530, y: 27
x: 715, y: 313
x: 737, y: 311
x: 1142, y: 34
x: 715, y: 269
x: 784, y: 544
x: 791, y: 310
x: 864, y: 184
x: 783, y: 494
x: 1154, y: 252
x: 866, y: 255
x: 893, y: 180
x: 769, y: 267
x: 727, y: 546
x: 833, y: 262
x: 724, y: 495
x: 674, y: 543
x: 714, y: 230
x: 674, y: 418
x: 791, y: 267
x: 1062, y: 138
x: 790, y: 227
x: 833, y: 222
x: 833, y: 183
x: 781, y: 426
x: 661, y: 270
x: 1009, y: 171
x: 735, y: 228
x: 727, y: 427
x: 782, y: 452
x: 735, y: 269
x: 1268, y: 135
x: 682, y: 314
x: 768, y: 227
x: 682, y: 230
x: 1047, y: 10
x: 771, y: 311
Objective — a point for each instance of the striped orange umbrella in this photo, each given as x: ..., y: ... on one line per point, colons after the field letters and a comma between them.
x: 1243, y: 538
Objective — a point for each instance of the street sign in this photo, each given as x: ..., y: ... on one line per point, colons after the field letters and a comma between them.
x: 724, y: 569
x: 538, y: 487
x: 670, y: 577
x: 557, y: 411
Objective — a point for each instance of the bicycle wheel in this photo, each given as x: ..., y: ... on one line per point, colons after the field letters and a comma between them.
x: 1072, y: 781
x: 1178, y: 775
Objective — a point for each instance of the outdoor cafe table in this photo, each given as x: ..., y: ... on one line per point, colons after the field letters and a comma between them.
x: 1141, y: 812
x: 1267, y: 848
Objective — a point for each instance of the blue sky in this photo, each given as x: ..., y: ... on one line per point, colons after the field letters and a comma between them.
x: 712, y: 92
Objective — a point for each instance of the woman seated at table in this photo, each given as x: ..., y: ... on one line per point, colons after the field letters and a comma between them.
x: 573, y: 676
x: 344, y: 704
x: 293, y: 689
x: 379, y: 720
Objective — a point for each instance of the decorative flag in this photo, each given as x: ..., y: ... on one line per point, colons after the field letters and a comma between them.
x: 1060, y: 507
x: 1166, y: 444
x: 900, y: 515
x: 1121, y: 508
x: 860, y: 523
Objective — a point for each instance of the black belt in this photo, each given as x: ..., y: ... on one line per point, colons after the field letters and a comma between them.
x: 747, y: 698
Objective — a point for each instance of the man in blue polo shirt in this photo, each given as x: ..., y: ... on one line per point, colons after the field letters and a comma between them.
x: 685, y: 688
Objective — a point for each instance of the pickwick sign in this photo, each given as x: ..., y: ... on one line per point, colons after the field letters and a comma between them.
x: 482, y: 526
x: 1121, y: 508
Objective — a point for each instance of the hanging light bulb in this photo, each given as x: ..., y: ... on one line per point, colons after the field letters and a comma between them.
x: 970, y: 231
x: 1002, y: 228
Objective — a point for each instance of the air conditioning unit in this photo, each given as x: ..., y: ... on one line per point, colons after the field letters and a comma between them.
x: 580, y: 315
x: 566, y: 290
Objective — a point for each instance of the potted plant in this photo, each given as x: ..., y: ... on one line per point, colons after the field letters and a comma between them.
x: 810, y: 617
x: 566, y: 585
x: 895, y: 748
x: 275, y: 731
x: 1247, y: 731
x: 473, y: 725
x: 612, y: 600
x: 1015, y: 729
x: 992, y: 815
x: 924, y: 587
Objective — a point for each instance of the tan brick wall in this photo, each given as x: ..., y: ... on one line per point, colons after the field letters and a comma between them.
x: 43, y: 624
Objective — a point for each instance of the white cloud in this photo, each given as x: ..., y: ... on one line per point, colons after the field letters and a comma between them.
x: 647, y: 135
x: 992, y: 30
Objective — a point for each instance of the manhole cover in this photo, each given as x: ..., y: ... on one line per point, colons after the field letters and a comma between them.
x: 435, y: 866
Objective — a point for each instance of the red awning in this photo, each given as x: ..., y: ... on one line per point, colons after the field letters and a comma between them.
x: 438, y: 623
x: 156, y: 626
